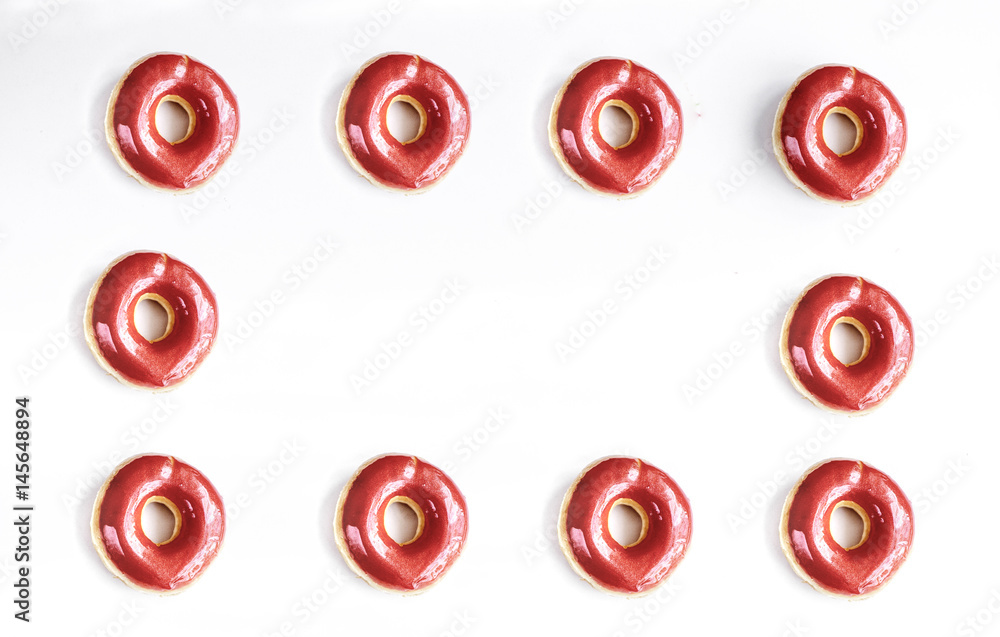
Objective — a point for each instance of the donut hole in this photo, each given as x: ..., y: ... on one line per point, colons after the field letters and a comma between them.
x: 627, y: 522
x: 849, y: 341
x: 160, y: 520
x: 153, y: 317
x: 842, y: 131
x: 403, y: 520
x: 618, y: 124
x: 174, y: 119
x: 405, y: 119
x: 849, y: 525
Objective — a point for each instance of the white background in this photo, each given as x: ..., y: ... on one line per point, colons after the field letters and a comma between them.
x: 737, y: 257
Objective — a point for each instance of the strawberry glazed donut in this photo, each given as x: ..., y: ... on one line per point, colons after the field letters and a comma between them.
x: 417, y: 164
x: 586, y: 539
x: 109, y: 324
x: 199, y: 523
x: 574, y: 134
x: 850, y: 388
x: 213, y: 122
x: 413, y: 566
x: 856, y: 571
x: 850, y: 177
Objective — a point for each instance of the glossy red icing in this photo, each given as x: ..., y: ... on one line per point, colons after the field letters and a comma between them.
x: 360, y: 526
x: 365, y: 137
x: 110, y: 323
x: 810, y: 547
x: 117, y: 523
x: 811, y: 365
x: 799, y: 134
x: 575, y: 134
x: 586, y: 538
x: 140, y: 148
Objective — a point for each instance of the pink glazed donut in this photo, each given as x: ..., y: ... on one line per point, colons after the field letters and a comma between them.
x: 859, y: 387
x: 109, y: 324
x: 213, y: 122
x: 442, y: 523
x: 420, y: 163
x: 199, y: 523
x: 657, y: 126
x: 586, y: 539
x: 852, y: 176
x: 859, y: 570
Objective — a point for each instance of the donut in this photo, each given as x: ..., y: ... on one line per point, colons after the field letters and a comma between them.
x: 116, y: 526
x: 442, y: 523
x: 850, y: 177
x: 586, y: 540
x: 574, y: 135
x: 109, y: 323
x: 213, y: 122
x: 859, y: 570
x: 861, y: 386
x: 418, y: 164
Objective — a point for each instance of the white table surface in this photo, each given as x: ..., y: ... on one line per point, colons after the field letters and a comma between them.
x: 532, y: 253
